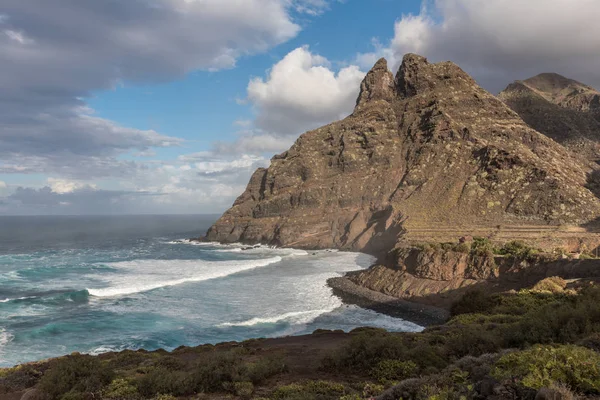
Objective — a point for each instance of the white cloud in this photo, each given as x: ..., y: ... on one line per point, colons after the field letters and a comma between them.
x: 502, y: 40
x: 302, y: 92
x: 3, y: 185
x: 62, y: 186
x: 48, y: 69
x: 255, y: 142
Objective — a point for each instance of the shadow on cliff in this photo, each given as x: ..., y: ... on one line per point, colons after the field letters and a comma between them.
x: 593, y: 184
x: 384, y: 236
x: 511, y: 278
x: 432, y: 308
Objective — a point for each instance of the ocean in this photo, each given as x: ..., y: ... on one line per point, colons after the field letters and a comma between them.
x: 109, y: 283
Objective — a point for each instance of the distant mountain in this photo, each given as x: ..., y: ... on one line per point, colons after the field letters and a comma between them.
x: 563, y: 109
x: 426, y: 156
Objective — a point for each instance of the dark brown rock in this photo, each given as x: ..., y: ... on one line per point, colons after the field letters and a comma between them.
x: 429, y: 156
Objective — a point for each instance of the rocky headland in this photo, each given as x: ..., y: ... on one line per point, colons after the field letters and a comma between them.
x: 449, y: 186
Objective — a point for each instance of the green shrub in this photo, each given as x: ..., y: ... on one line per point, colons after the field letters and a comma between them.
x: 543, y: 366
x: 365, y: 350
x: 76, y: 374
x: 372, y: 390
x: 121, y: 389
x: 553, y: 284
x: 563, y: 319
x: 310, y: 390
x: 482, y: 247
x: 518, y: 250
x: 472, y: 302
x: 243, y: 389
x: 393, y: 370
x: 162, y: 381
x: 20, y: 377
x: 263, y: 369
x: 462, y: 248
x: 164, y: 397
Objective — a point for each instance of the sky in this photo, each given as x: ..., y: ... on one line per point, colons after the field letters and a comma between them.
x: 168, y: 106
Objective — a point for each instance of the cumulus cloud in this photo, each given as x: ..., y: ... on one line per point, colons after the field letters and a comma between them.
x: 301, y: 92
x: 62, y: 186
x: 500, y: 41
x: 54, y: 55
x: 254, y: 142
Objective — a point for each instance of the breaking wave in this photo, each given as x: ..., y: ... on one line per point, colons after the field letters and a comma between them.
x: 154, y: 274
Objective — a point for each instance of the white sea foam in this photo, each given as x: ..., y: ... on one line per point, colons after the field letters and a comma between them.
x: 5, y: 338
x: 105, y: 349
x: 293, y: 318
x: 239, y: 247
x: 19, y: 298
x: 144, y: 275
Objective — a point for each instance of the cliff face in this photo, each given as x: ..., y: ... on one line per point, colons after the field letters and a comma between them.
x: 561, y: 108
x: 426, y: 155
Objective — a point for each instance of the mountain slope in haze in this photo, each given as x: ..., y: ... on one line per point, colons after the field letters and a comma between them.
x: 425, y: 155
x: 561, y: 108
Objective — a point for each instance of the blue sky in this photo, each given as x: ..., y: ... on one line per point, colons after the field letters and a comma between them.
x: 202, y: 106
x: 168, y: 106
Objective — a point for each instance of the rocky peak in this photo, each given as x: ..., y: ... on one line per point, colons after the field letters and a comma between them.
x: 417, y: 76
x: 565, y: 92
x: 561, y: 108
x: 429, y: 156
x: 378, y: 84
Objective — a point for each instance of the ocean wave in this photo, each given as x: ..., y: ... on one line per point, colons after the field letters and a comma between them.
x: 293, y: 318
x: 155, y: 274
x: 239, y: 247
x: 52, y: 297
x: 17, y: 299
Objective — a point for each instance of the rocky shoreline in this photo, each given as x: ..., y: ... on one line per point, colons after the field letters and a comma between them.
x: 421, y: 314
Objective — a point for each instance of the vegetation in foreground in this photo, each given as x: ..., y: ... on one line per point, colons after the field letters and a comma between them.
x: 544, y: 341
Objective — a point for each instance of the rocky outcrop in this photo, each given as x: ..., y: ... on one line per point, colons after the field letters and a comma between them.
x: 561, y: 108
x: 440, y: 277
x: 427, y: 154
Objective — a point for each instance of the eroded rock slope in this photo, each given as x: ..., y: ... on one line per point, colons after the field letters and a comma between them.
x: 425, y: 154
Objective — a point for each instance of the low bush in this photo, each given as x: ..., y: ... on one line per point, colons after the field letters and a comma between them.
x: 543, y: 366
x: 518, y: 250
x: 553, y: 284
x: 75, y: 374
x: 243, y: 389
x: 387, y: 371
x: 311, y: 390
x: 482, y: 247
x: 263, y: 369
x: 472, y: 302
x: 121, y: 389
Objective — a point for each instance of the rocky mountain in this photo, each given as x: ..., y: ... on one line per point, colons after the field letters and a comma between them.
x: 561, y: 108
x: 427, y: 155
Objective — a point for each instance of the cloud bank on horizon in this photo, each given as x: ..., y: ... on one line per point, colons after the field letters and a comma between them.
x: 57, y: 156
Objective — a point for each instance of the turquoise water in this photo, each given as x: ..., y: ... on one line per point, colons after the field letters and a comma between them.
x: 97, y: 284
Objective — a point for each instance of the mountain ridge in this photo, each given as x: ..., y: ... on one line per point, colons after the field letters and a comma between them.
x: 428, y: 148
x: 561, y: 108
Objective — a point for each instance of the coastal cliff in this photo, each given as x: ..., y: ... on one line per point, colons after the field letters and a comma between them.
x: 426, y: 156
